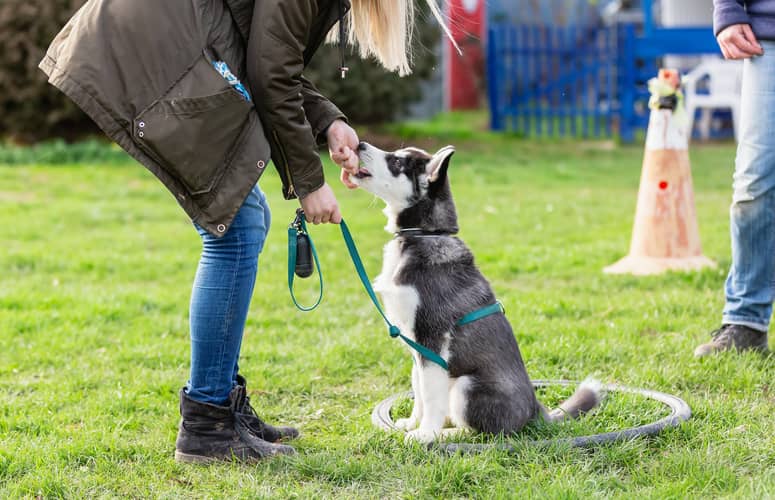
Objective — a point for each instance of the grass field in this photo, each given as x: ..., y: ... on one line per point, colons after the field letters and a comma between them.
x: 97, y: 263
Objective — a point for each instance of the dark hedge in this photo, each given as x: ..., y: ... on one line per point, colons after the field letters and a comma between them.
x: 30, y: 109
x: 33, y: 111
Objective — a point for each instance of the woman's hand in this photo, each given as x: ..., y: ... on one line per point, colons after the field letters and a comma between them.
x: 739, y: 42
x: 342, y: 146
x: 321, y: 207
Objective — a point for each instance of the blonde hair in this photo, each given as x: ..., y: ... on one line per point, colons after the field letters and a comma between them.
x: 384, y: 29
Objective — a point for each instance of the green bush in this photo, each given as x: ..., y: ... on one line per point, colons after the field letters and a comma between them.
x: 33, y: 111
x: 58, y: 152
x: 369, y: 94
x: 30, y: 109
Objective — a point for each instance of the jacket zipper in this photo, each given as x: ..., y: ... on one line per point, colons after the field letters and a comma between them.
x: 291, y: 190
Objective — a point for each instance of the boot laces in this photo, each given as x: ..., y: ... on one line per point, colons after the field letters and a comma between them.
x: 721, y: 336
x: 248, y: 409
x: 720, y: 331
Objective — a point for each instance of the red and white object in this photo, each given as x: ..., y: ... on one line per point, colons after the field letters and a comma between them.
x: 665, y: 234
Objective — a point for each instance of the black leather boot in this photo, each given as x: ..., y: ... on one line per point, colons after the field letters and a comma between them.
x: 260, y: 428
x: 211, y: 433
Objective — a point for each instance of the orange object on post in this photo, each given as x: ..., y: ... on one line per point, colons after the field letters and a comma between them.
x: 670, y: 76
x: 665, y: 234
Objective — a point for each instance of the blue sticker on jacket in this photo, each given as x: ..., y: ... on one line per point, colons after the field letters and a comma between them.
x: 223, y: 68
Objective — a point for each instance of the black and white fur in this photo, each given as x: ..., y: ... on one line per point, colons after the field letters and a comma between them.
x: 428, y: 282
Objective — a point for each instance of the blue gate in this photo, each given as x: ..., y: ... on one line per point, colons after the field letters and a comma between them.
x: 546, y: 80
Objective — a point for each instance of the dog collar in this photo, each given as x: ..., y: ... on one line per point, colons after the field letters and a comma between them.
x: 416, y: 231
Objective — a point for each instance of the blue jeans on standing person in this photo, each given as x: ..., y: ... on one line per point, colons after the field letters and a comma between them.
x: 221, y: 294
x: 750, y: 285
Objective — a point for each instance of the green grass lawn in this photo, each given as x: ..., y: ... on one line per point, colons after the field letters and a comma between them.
x: 96, y: 268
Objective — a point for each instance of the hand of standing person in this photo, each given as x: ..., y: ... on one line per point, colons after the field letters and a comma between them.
x: 342, y: 146
x: 738, y: 42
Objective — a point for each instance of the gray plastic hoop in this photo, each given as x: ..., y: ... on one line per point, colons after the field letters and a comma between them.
x: 680, y: 412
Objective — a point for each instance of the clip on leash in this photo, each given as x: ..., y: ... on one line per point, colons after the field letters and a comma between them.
x: 301, y: 253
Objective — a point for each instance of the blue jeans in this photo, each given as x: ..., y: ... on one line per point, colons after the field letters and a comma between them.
x: 221, y: 294
x: 750, y: 285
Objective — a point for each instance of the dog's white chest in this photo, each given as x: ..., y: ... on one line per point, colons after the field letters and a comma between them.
x: 401, y: 301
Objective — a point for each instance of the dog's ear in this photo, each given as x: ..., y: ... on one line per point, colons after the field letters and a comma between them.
x: 437, y: 166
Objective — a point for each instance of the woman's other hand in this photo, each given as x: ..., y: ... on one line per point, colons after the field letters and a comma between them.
x: 342, y: 146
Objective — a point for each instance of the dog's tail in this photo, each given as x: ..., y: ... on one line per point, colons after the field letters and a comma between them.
x: 588, y: 395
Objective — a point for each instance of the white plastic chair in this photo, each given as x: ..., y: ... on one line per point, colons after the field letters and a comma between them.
x: 724, y: 79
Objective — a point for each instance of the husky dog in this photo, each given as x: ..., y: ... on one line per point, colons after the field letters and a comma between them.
x: 428, y: 283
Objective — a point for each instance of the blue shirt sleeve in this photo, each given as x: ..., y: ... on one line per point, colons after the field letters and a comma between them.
x: 728, y: 12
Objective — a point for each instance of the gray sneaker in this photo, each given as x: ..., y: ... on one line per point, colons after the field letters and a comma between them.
x: 737, y: 337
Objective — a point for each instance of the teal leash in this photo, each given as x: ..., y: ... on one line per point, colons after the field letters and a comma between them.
x: 301, y: 228
x: 392, y: 329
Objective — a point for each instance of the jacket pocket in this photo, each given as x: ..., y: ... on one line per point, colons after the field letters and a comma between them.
x: 193, y: 130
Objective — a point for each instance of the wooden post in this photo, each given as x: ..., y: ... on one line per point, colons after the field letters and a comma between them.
x: 665, y: 234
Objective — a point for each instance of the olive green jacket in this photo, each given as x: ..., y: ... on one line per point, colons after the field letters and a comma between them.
x: 142, y: 70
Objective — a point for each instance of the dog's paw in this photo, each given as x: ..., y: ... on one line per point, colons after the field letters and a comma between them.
x: 407, y: 424
x: 454, y: 433
x: 423, y: 436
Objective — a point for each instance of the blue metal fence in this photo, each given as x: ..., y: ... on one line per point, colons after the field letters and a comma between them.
x: 547, y: 80
x: 581, y: 82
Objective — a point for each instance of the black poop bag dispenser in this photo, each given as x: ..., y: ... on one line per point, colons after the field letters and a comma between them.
x: 304, y: 266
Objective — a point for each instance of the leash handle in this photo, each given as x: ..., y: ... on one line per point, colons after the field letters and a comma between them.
x: 300, y: 226
x: 392, y: 329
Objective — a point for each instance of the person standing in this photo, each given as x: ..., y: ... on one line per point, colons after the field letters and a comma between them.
x: 745, y: 29
x: 203, y: 93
